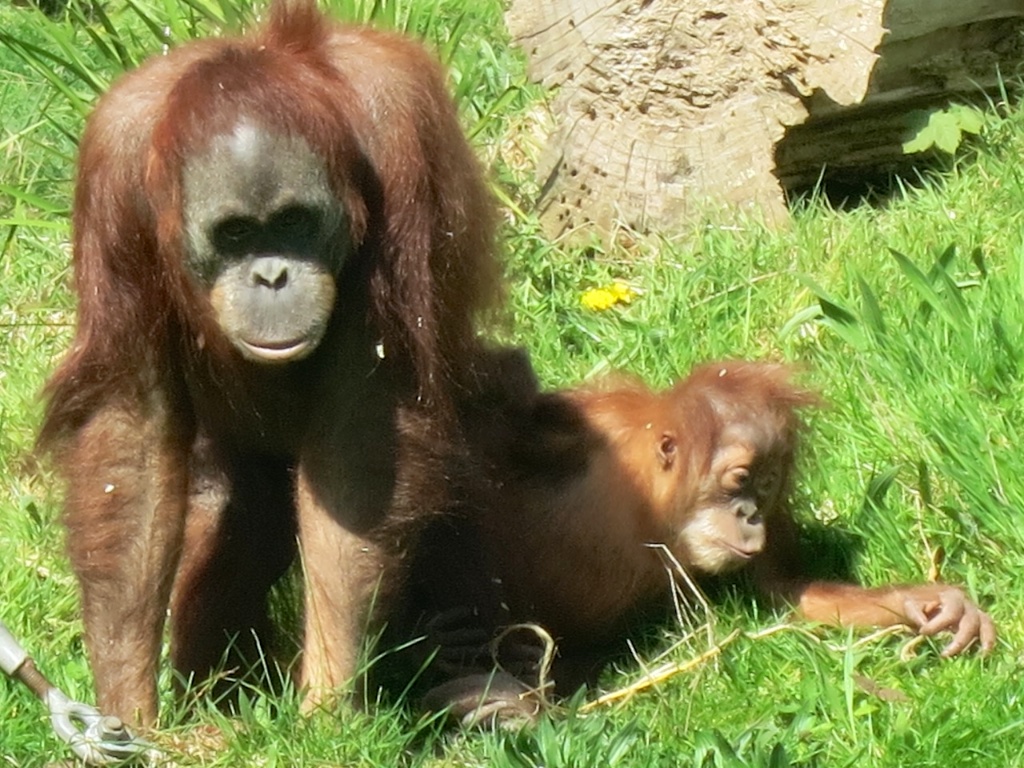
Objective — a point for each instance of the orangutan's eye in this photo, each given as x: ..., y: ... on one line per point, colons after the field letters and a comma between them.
x: 736, y: 479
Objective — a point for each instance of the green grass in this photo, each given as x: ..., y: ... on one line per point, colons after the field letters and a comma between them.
x: 908, y: 315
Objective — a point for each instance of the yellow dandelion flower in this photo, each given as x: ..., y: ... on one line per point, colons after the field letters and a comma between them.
x: 606, y: 297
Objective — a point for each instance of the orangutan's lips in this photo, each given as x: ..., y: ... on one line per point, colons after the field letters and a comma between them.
x: 277, y: 352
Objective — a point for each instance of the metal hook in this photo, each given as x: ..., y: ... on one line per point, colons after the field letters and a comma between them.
x: 97, y: 739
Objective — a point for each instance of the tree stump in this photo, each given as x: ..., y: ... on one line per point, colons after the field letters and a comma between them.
x: 662, y: 105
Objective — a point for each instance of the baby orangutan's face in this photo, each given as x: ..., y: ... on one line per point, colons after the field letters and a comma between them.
x: 726, y: 527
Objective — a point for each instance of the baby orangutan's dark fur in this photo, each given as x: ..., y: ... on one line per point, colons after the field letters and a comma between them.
x: 579, y: 484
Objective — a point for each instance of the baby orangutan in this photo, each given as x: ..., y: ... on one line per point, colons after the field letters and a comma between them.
x: 579, y: 485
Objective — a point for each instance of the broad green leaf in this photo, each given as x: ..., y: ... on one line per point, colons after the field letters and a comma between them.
x: 969, y: 119
x: 946, y: 131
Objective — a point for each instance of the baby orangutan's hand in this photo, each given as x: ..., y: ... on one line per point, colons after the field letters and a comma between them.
x: 934, y: 608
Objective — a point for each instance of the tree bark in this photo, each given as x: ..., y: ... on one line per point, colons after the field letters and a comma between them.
x: 662, y: 106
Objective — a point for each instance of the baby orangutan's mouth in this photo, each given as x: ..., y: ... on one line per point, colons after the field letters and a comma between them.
x: 743, y: 554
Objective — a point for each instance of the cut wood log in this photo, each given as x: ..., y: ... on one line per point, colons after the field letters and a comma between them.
x: 660, y: 107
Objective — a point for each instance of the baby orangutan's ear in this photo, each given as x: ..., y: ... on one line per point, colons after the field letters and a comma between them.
x: 667, y: 449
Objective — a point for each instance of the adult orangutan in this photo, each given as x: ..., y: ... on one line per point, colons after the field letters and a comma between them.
x: 280, y: 244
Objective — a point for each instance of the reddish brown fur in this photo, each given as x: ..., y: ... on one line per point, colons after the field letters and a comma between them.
x: 587, y: 479
x: 153, y: 415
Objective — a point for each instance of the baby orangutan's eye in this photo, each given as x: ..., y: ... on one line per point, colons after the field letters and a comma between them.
x: 736, y: 479
x: 768, y: 480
